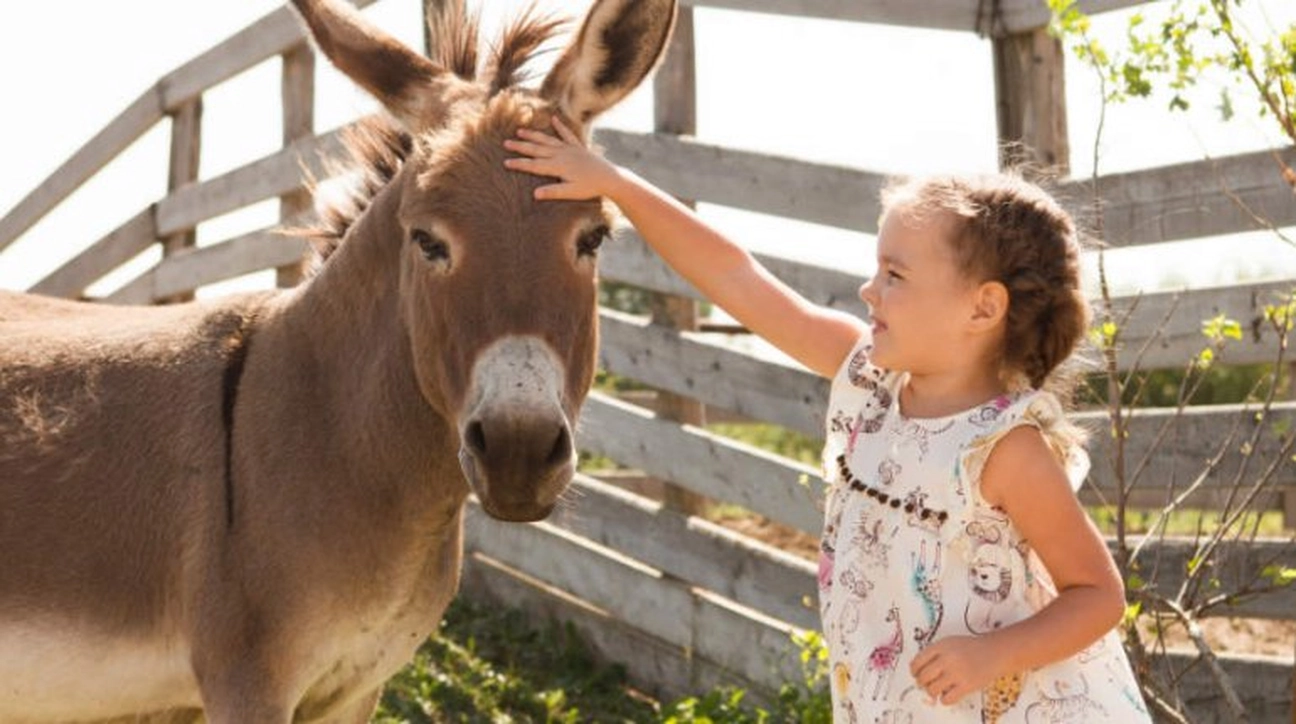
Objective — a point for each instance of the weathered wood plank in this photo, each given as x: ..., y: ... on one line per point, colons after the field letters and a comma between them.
x: 675, y: 114
x: 118, y: 247
x: 1030, y: 100
x: 1189, y: 441
x: 607, y: 579
x: 188, y: 270
x: 687, y: 617
x: 692, y: 365
x: 139, y: 290
x: 120, y: 133
x: 629, y: 260
x: 254, y: 252
x: 830, y: 195
x: 1237, y: 566
x: 1173, y: 323
x: 1017, y: 15
x: 1171, y: 203
x: 1188, y: 200
x: 935, y: 14
x: 186, y: 156
x: 657, y: 668
x: 708, y: 464
x: 695, y: 550
x: 272, y: 35
x: 267, y: 178
x: 297, y: 90
x: 1022, y: 15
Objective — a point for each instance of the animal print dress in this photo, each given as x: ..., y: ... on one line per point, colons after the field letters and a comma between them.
x: 912, y: 554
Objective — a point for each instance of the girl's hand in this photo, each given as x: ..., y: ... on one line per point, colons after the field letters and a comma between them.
x: 954, y: 667
x: 582, y: 174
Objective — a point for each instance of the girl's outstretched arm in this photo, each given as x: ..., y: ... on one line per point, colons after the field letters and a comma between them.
x: 817, y: 337
x: 1025, y: 479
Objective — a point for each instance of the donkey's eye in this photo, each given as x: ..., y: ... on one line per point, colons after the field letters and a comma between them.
x: 433, y: 249
x: 589, y: 242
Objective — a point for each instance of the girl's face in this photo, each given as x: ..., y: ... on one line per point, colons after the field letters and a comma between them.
x: 919, y: 299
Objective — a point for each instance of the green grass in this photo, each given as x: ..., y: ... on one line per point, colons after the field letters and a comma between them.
x: 1186, y: 522
x: 490, y: 666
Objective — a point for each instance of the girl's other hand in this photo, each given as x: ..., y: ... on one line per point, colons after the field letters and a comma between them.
x: 581, y: 173
x: 954, y: 667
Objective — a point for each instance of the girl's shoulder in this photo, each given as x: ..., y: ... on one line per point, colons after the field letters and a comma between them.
x: 1030, y: 408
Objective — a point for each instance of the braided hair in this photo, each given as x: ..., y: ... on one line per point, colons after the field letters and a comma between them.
x: 1010, y: 230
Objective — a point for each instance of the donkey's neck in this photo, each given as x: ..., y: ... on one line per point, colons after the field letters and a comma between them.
x: 346, y: 326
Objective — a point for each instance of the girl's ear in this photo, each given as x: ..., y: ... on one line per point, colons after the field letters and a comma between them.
x: 990, y: 305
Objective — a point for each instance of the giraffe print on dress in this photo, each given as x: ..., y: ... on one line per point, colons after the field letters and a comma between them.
x: 926, y: 583
x: 884, y: 657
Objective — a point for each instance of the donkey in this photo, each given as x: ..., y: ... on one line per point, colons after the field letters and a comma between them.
x: 250, y: 509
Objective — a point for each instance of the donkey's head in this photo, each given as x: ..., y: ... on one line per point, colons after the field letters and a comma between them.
x: 497, y: 291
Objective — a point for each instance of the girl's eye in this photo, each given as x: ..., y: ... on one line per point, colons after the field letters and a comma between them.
x: 433, y: 249
x: 589, y: 242
x: 893, y: 276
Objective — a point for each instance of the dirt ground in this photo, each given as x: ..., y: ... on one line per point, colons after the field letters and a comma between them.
x: 1233, y: 635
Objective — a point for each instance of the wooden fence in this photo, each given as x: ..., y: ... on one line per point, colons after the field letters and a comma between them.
x: 682, y: 602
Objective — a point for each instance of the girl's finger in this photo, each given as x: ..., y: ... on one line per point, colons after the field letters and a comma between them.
x: 564, y: 132
x: 954, y: 695
x: 561, y: 192
x: 540, y: 137
x: 528, y: 165
x: 534, y: 150
x: 921, y: 661
x: 549, y: 192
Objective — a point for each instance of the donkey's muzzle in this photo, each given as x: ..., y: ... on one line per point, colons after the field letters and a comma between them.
x: 516, y: 447
x: 517, y: 466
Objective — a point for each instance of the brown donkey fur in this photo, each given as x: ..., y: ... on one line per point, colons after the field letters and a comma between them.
x: 250, y: 510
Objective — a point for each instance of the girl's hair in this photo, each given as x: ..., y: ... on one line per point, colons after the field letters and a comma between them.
x: 1010, y: 230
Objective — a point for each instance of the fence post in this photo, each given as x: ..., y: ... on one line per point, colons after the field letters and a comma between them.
x: 675, y: 112
x: 298, y: 96
x: 186, y: 152
x: 1030, y: 97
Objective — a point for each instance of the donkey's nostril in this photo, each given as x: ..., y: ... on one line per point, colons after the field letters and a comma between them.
x: 562, y: 448
x: 475, y: 437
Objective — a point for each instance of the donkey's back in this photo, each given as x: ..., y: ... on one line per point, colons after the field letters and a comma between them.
x: 112, y: 457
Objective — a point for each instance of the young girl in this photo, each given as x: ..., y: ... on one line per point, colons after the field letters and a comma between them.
x: 960, y: 580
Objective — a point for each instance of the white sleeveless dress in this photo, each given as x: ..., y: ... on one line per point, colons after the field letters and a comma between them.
x: 912, y: 554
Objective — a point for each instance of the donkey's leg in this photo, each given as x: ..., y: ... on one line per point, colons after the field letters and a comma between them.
x: 244, y: 694
x: 359, y: 711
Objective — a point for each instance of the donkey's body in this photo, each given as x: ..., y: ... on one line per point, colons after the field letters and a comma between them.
x: 252, y: 507
x: 134, y: 565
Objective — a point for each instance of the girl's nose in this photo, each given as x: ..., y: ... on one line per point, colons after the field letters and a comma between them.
x: 866, y: 293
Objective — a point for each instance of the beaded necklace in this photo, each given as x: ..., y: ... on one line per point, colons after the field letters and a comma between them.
x: 884, y: 498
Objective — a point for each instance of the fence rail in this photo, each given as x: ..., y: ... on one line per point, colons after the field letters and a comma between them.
x: 683, y: 602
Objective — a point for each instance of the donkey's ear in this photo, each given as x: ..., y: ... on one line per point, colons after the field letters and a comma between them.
x: 409, y: 85
x: 619, y: 44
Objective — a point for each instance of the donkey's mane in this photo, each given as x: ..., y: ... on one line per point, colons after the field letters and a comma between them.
x: 377, y: 147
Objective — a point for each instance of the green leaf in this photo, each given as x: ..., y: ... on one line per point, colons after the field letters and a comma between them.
x: 1279, y: 575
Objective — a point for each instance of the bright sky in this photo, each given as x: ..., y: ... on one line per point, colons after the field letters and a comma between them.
x: 874, y: 97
